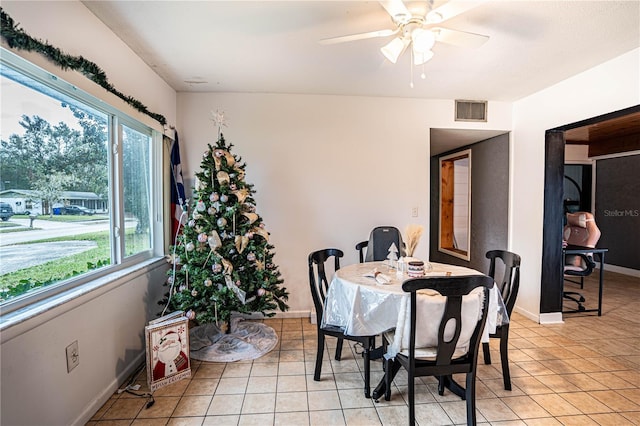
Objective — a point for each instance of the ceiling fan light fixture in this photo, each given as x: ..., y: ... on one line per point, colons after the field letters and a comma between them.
x: 420, y: 58
x: 423, y: 40
x: 394, y: 49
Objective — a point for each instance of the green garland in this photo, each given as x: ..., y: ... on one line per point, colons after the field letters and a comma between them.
x: 17, y: 38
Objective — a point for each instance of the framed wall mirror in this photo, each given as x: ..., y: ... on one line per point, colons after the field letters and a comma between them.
x: 455, y: 204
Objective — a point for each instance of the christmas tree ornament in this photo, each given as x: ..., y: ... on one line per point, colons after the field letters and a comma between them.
x: 203, y: 237
x: 214, y: 196
x: 251, y: 257
x: 194, y: 292
x: 190, y: 247
x: 190, y: 314
x: 261, y: 292
x: 216, y: 268
x: 208, y: 282
x: 212, y: 211
x: 200, y: 206
x: 214, y: 240
x: 222, y: 222
x: 224, y: 198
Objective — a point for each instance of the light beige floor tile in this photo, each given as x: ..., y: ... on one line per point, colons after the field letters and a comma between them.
x: 291, y: 368
x: 555, y: 405
x: 259, y: 384
x: 256, y: 419
x: 161, y: 421
x: 393, y: 415
x: 300, y: 418
x: 293, y: 355
x: 525, y: 407
x: 185, y: 421
x: 174, y: 389
x: 264, y: 369
x: 209, y: 371
x: 615, y: 401
x: 236, y: 370
x: 611, y: 419
x: 495, y: 410
x: 201, y: 387
x: 577, y: 421
x: 291, y: 401
x: 431, y: 414
x: 354, y: 398
x: 361, y: 417
x: 292, y: 383
x: 124, y: 408
x: 255, y: 403
x: 192, y: 406
x: 221, y: 420
x: 222, y: 405
x: 545, y: 421
x: 584, y: 402
x: 326, y: 382
x: 558, y: 383
x: 163, y: 407
x: 326, y: 418
x: 232, y: 385
x: 324, y: 400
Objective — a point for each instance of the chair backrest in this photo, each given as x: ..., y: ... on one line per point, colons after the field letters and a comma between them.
x: 318, y: 276
x: 449, y: 331
x: 510, y: 282
x: 380, y: 240
x: 580, y: 230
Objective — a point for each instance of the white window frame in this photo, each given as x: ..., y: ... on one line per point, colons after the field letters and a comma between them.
x: 21, y: 306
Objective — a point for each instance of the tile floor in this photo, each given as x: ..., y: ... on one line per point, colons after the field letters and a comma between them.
x: 583, y: 372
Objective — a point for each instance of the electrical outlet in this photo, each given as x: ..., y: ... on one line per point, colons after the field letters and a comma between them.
x: 73, y: 356
x: 414, y: 212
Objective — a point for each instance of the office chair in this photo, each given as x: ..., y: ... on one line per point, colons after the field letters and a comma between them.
x: 380, y: 239
x: 580, y: 231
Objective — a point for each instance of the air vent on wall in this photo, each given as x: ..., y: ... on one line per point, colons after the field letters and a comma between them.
x: 471, y: 110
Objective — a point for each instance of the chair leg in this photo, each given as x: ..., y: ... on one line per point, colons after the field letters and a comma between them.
x: 319, y: 354
x: 470, y: 396
x: 367, y: 373
x: 412, y: 397
x: 504, y: 356
x: 485, y: 351
x: 339, y: 349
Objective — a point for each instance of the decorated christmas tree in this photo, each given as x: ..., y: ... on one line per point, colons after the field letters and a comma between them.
x: 223, y: 262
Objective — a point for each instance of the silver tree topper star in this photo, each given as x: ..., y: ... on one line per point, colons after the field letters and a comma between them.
x: 218, y: 119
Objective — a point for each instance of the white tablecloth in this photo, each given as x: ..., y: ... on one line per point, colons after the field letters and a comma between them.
x: 363, y: 307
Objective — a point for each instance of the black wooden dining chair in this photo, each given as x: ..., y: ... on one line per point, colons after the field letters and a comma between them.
x: 508, y: 286
x: 450, y: 355
x: 377, y: 247
x: 319, y: 288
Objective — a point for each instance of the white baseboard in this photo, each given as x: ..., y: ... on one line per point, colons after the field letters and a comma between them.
x: 622, y: 270
x: 104, y: 396
x: 551, y: 318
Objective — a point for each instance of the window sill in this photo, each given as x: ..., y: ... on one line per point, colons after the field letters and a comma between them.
x: 27, y: 318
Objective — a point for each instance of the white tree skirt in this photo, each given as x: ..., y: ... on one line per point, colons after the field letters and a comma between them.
x: 246, y: 340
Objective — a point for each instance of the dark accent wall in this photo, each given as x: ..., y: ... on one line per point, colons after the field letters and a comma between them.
x: 489, y: 202
x: 617, y: 211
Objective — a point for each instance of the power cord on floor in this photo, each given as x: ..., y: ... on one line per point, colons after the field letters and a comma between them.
x: 132, y: 389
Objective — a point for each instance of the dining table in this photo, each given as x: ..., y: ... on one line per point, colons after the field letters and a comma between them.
x: 366, y: 299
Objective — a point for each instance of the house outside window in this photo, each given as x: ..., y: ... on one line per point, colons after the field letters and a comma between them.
x: 79, y: 175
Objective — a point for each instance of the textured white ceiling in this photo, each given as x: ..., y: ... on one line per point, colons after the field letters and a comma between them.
x: 272, y: 46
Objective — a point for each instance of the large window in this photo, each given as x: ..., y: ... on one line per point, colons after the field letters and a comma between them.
x: 76, y: 186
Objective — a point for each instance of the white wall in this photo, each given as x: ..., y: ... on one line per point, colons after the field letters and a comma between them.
x: 608, y: 87
x: 326, y: 169
x: 109, y: 322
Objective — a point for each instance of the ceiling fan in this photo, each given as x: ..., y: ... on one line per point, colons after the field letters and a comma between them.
x: 421, y: 31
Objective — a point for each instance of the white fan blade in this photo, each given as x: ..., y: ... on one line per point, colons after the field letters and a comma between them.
x: 396, y: 8
x: 451, y: 9
x: 361, y: 36
x: 459, y: 38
